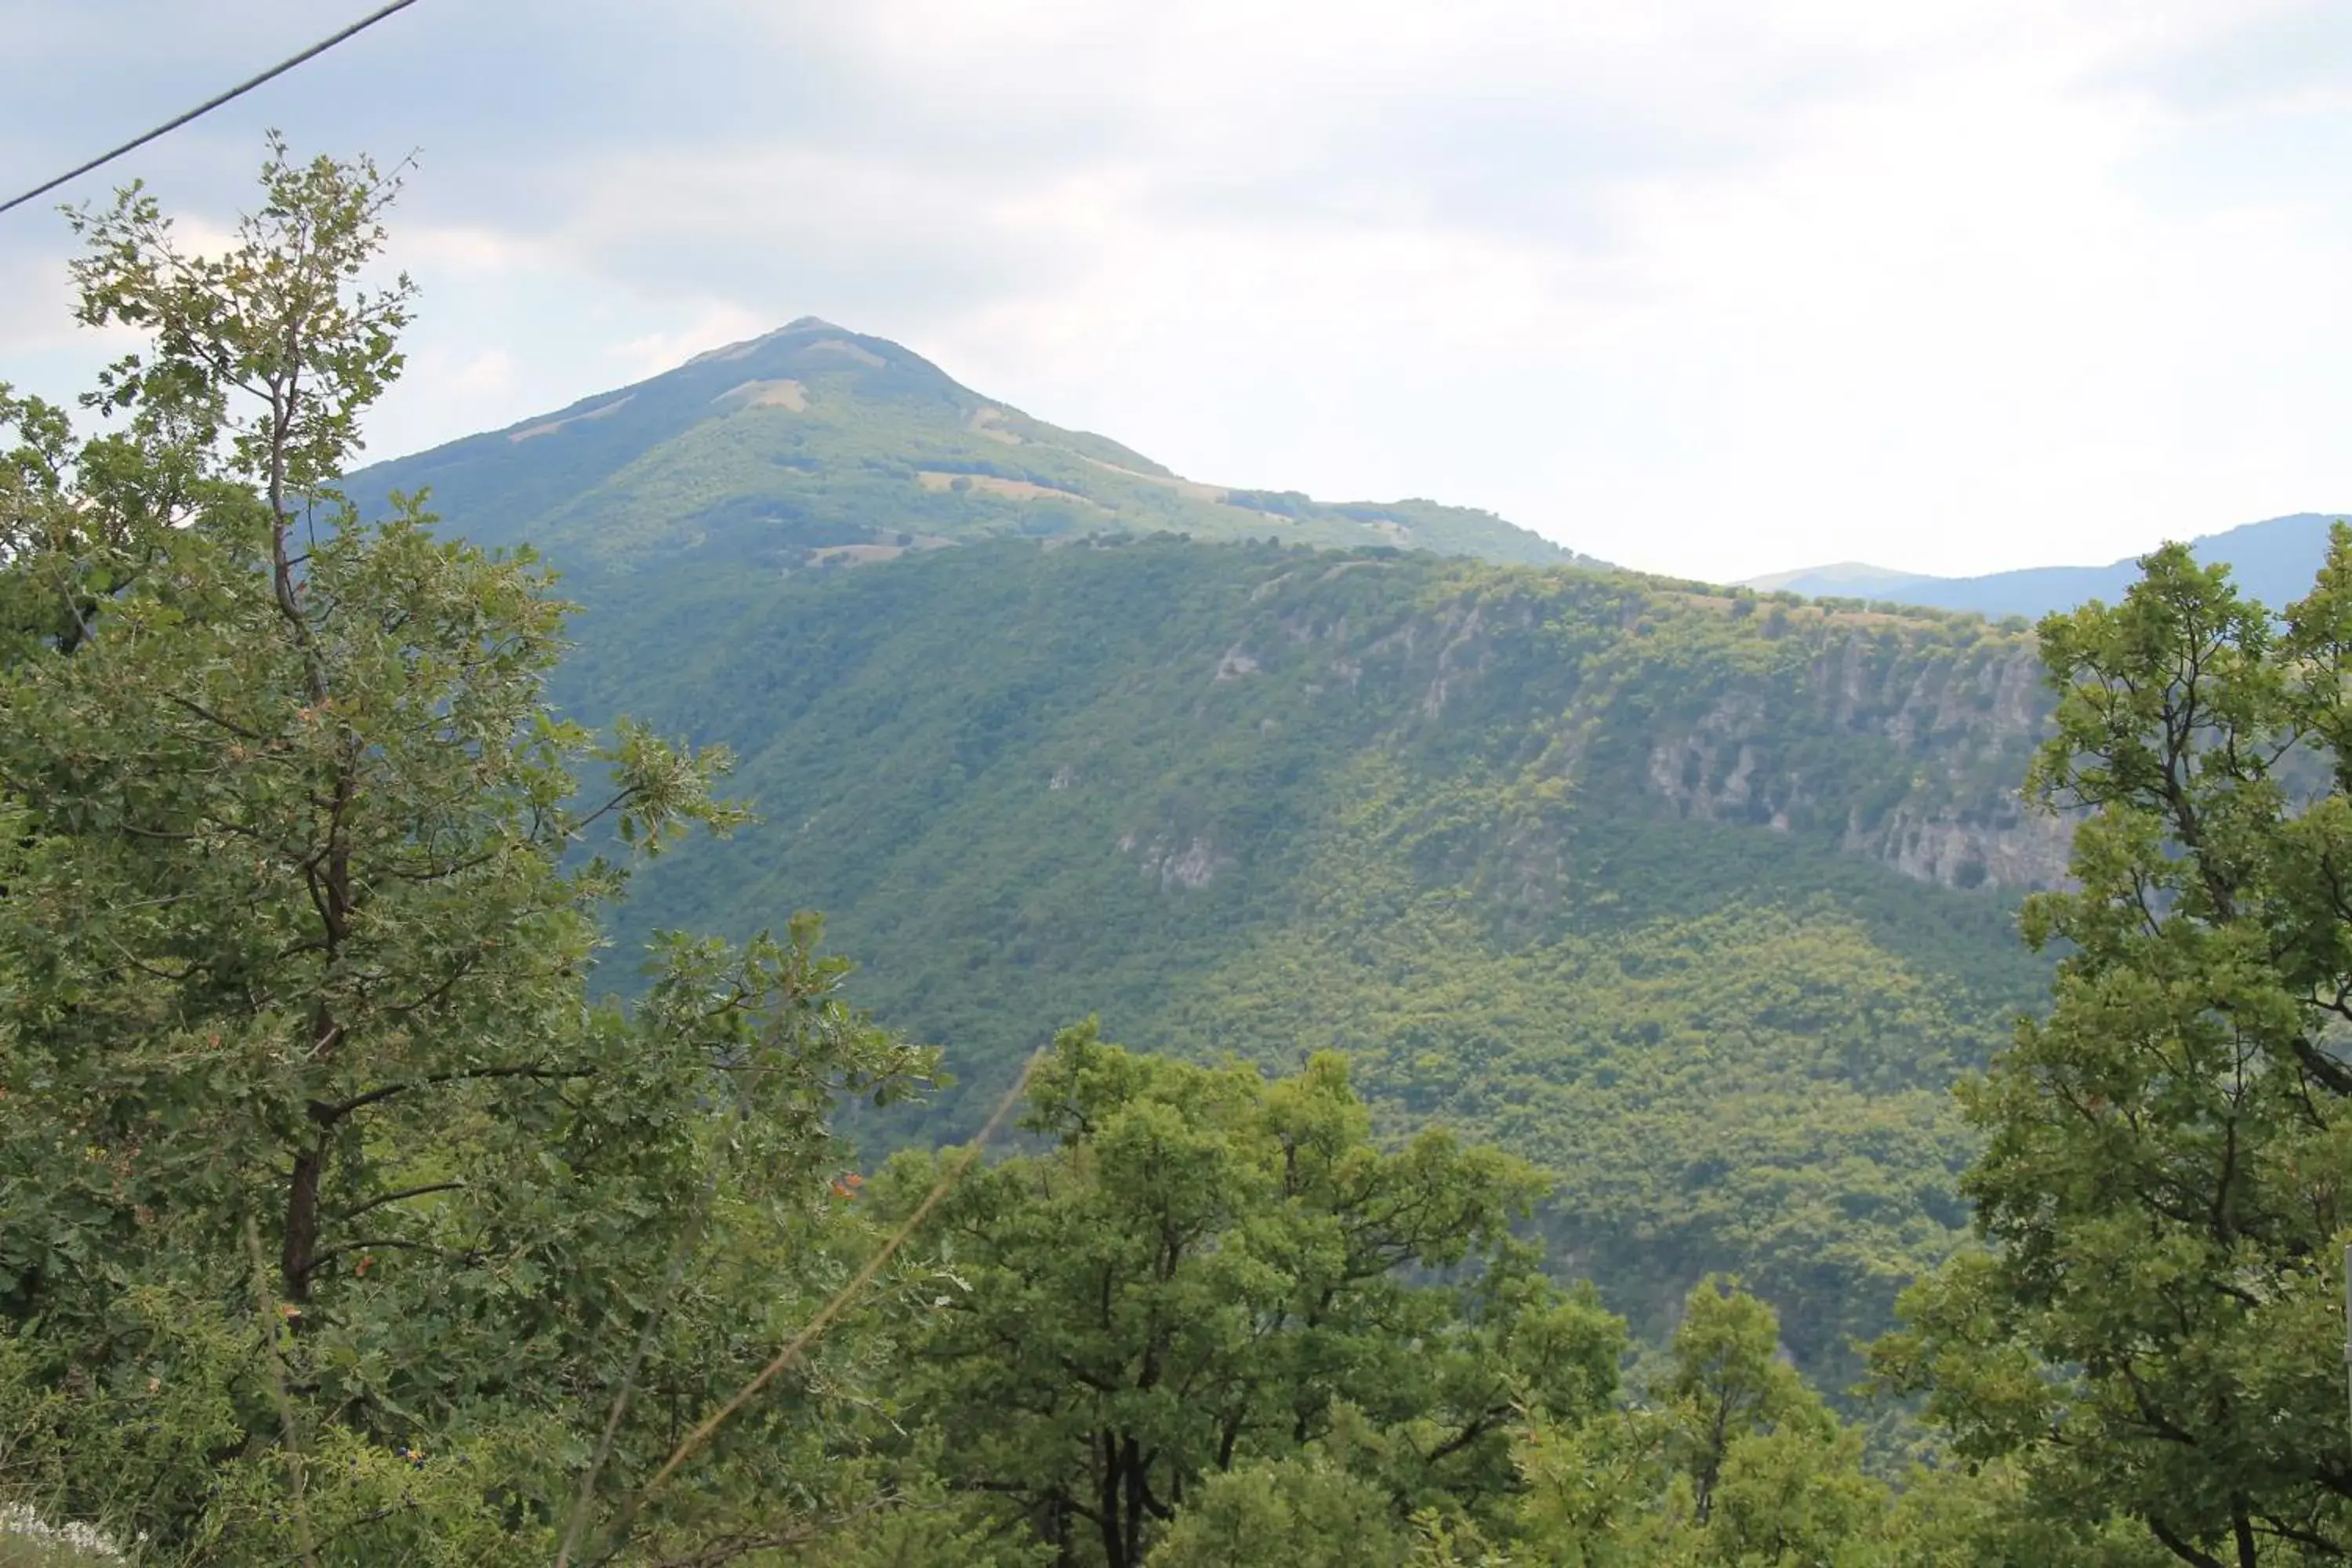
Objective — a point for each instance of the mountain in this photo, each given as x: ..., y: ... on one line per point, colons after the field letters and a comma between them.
x: 1699, y: 901
x: 815, y: 443
x: 1851, y: 579
x: 2273, y: 561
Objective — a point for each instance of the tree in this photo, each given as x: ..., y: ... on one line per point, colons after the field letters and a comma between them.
x: 1203, y: 1269
x: 335, y: 1221
x: 1796, y: 1496
x: 1729, y: 1383
x: 2154, y: 1323
x: 1296, y: 1512
x: 1961, y: 1515
x: 1734, y: 1461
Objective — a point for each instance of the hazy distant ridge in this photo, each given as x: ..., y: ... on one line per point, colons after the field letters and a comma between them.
x: 2273, y: 561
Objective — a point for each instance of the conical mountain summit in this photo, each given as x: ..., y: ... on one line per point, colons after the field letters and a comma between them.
x: 813, y: 442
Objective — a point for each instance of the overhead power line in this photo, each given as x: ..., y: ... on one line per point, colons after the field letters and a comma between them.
x: 239, y: 90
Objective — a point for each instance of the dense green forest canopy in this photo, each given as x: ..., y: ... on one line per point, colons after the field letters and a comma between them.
x: 1609, y: 869
x: 1514, y: 946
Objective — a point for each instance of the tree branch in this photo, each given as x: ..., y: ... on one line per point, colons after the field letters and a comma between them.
x: 400, y: 1196
x: 328, y: 1115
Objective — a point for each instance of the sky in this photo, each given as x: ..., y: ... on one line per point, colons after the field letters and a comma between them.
x: 1696, y: 286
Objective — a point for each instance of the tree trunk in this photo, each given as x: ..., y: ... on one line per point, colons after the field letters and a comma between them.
x: 301, y: 1245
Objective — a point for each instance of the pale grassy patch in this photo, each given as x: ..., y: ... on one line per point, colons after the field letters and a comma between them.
x: 841, y: 346
x: 1192, y: 487
x: 605, y: 411
x: 789, y: 394
x: 1016, y: 489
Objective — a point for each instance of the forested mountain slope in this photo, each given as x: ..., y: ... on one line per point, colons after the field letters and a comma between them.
x: 342, y: 1222
x: 1700, y: 900
x: 813, y: 442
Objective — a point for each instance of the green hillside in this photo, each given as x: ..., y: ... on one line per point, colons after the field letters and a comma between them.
x: 815, y: 443
x: 1702, y: 901
x: 343, y: 1221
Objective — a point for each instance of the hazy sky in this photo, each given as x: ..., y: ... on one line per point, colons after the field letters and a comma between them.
x: 1712, y: 288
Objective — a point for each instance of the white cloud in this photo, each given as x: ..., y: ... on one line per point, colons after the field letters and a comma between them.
x: 650, y: 353
x: 462, y: 251
x: 491, y: 372
x: 1956, y: 284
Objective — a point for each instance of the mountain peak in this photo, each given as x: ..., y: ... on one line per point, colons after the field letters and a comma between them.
x: 747, y: 346
x: 815, y: 443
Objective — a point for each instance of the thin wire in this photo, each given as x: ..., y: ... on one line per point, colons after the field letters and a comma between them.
x: 817, y: 1325
x: 239, y: 90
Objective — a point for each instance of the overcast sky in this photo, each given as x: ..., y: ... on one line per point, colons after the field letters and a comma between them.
x: 1709, y: 287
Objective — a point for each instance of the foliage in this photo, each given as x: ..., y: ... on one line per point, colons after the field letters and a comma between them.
x: 1733, y: 1460
x: 2155, y: 1323
x: 1205, y: 1268
x: 1295, y: 1512
x: 1209, y: 1321
x: 336, y: 1223
x: 1256, y: 800
x: 341, y: 1222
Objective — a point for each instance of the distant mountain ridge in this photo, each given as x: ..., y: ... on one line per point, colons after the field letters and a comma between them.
x: 814, y: 444
x: 1857, y: 578
x: 2273, y: 561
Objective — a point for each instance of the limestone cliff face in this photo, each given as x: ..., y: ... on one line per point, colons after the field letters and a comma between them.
x: 1955, y: 736
x: 1896, y: 741
x: 1903, y: 740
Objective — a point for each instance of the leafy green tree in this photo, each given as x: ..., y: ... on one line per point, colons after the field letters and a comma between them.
x: 1736, y: 1461
x: 336, y: 1223
x: 2156, y: 1324
x: 1601, y: 1494
x: 1294, y: 1512
x: 1767, y: 1473
x: 1957, y: 1515
x: 1205, y: 1269
x: 1728, y: 1383
x: 1796, y: 1496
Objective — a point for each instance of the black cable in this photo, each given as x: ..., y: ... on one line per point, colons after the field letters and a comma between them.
x: 239, y: 90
